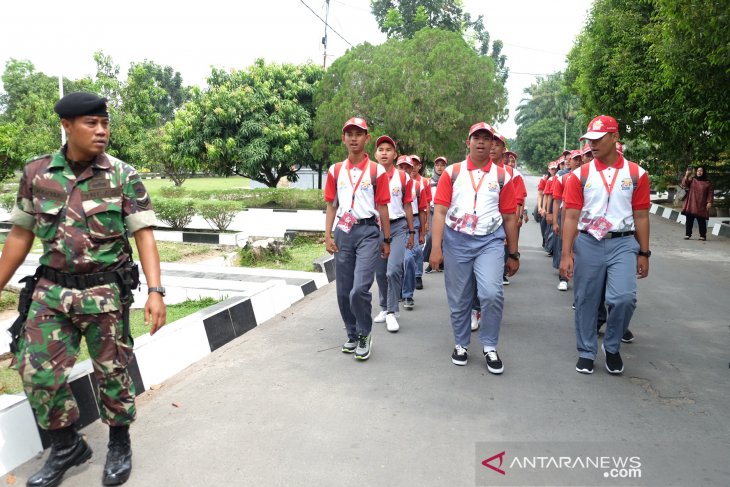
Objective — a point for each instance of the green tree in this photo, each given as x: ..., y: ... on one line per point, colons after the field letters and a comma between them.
x: 410, y: 90
x: 255, y: 123
x: 403, y: 18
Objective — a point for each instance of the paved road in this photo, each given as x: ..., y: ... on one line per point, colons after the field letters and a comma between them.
x: 283, y: 406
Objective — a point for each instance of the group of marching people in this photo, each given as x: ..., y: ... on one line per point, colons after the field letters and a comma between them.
x: 377, y: 218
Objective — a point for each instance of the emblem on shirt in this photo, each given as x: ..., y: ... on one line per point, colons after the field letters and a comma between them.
x: 493, y: 186
x: 365, y: 185
x: 341, y: 184
x: 395, y: 191
x: 626, y: 184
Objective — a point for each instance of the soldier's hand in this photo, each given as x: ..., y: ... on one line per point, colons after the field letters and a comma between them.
x: 155, y: 312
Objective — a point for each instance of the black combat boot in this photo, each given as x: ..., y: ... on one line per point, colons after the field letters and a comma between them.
x: 118, y: 465
x: 68, y: 449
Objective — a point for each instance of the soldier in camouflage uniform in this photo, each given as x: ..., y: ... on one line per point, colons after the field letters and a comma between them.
x: 81, y: 203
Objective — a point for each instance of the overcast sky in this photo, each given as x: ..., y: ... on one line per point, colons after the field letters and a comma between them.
x: 61, y: 37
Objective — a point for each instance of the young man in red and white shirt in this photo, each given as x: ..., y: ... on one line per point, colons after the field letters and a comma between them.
x: 439, y: 164
x: 474, y: 213
x: 605, y: 242
x: 414, y: 255
x: 573, y: 161
x: 389, y: 273
x: 547, y: 206
x: 357, y: 194
x: 424, y: 227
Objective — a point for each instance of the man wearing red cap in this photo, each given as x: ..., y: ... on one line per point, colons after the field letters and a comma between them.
x: 413, y: 261
x: 605, y: 242
x: 547, y: 206
x: 357, y: 194
x: 439, y: 164
x: 474, y: 213
x: 574, y: 161
x: 389, y: 273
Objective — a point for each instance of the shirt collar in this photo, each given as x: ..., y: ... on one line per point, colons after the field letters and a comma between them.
x: 600, y: 166
x: 59, y: 160
x: 363, y: 164
x: 470, y: 165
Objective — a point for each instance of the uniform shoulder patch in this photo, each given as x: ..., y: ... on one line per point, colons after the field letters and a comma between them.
x: 38, y: 158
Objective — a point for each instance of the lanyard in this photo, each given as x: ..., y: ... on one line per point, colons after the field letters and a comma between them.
x: 354, y: 186
x: 476, y: 187
x: 608, y: 188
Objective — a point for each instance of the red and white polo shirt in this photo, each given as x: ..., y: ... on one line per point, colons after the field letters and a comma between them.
x: 400, y: 195
x: 476, y: 190
x: 355, y: 178
x: 601, y: 180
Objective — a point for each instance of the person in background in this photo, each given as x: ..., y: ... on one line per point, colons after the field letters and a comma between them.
x: 438, y: 168
x: 700, y: 196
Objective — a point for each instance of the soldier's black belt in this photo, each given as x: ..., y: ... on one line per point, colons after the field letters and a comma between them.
x: 397, y: 219
x: 613, y: 234
x: 79, y: 281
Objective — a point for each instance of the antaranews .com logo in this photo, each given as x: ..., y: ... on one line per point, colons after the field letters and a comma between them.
x: 557, y: 464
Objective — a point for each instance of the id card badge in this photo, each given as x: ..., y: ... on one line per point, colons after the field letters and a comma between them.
x: 469, y: 226
x: 347, y: 220
x: 599, y: 227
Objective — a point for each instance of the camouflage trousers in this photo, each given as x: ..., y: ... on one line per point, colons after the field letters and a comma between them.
x: 47, y: 353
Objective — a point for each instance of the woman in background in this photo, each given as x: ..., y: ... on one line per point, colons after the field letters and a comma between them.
x: 699, y: 200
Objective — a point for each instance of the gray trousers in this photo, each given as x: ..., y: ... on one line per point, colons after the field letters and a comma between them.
x: 474, y: 264
x: 610, y: 263
x: 355, y: 262
x: 389, y: 273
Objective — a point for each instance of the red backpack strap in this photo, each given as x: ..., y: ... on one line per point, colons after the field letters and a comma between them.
x: 584, y: 175
x: 338, y: 166
x: 402, y: 183
x: 634, y: 172
x: 455, y: 169
x: 500, y: 177
x: 373, y: 174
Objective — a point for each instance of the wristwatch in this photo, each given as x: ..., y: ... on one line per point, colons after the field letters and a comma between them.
x: 411, y: 232
x: 646, y: 254
x: 515, y: 256
x: 160, y: 290
x: 387, y: 240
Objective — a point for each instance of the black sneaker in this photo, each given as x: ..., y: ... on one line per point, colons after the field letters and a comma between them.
x: 584, y: 366
x: 494, y: 363
x: 408, y: 303
x: 505, y: 281
x: 428, y: 270
x: 349, y: 346
x: 614, y: 364
x: 362, y: 352
x: 628, y: 337
x: 419, y: 283
x: 459, y: 357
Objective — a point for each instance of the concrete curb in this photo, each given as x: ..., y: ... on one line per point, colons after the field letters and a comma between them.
x: 719, y: 228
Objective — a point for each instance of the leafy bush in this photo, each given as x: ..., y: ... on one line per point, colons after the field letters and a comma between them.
x: 218, y: 214
x: 7, y: 201
x: 173, y: 192
x: 274, y: 251
x: 176, y: 212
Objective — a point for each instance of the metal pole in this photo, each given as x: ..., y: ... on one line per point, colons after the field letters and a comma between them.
x: 60, y: 95
x: 565, y: 131
x: 324, y: 39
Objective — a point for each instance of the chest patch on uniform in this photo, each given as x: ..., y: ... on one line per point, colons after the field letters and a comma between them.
x: 98, y: 194
x: 96, y: 184
x: 49, y: 193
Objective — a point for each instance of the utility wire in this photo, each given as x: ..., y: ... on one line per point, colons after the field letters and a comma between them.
x: 325, y: 23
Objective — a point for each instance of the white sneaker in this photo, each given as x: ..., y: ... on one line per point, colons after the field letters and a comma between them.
x: 381, y: 317
x: 475, y: 316
x: 563, y: 286
x: 391, y: 323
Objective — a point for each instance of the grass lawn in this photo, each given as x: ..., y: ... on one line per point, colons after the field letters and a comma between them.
x: 299, y: 256
x: 175, y: 251
x: 198, y: 184
x: 10, y: 380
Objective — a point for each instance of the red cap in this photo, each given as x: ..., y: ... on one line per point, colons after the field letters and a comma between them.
x: 404, y: 160
x: 356, y: 122
x: 385, y: 138
x: 600, y: 126
x: 415, y: 158
x: 574, y: 154
x: 620, y: 148
x: 553, y: 165
x: 480, y: 126
x: 441, y: 158
x: 561, y: 159
x: 586, y: 149
x: 510, y: 153
x: 566, y: 152
x: 501, y: 137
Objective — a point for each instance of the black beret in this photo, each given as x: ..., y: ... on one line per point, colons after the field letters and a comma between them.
x: 79, y: 103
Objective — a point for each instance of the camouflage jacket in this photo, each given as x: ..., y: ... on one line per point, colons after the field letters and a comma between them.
x: 82, y: 223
